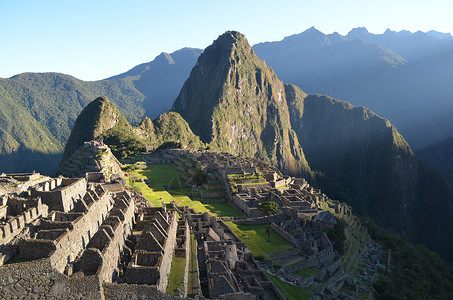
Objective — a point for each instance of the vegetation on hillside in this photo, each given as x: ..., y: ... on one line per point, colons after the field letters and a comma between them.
x: 38, y: 110
x: 101, y: 120
x: 415, y: 272
x: 234, y: 102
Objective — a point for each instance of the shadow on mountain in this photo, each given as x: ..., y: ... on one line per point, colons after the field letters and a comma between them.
x: 26, y: 160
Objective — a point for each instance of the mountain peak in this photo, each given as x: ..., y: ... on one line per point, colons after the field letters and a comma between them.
x: 312, y: 31
x: 358, y: 32
x: 236, y: 103
x: 97, y: 117
x: 230, y: 38
x: 165, y: 58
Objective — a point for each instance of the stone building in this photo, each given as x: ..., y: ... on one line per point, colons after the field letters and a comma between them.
x: 61, y: 194
x: 227, y: 269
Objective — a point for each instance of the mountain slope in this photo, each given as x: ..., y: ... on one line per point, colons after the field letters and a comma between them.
x: 161, y: 79
x: 101, y: 120
x: 441, y: 156
x: 358, y: 151
x: 237, y: 104
x: 234, y: 102
x: 360, y: 158
x: 38, y: 110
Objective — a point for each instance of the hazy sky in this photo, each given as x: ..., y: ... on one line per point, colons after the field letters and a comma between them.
x: 96, y: 39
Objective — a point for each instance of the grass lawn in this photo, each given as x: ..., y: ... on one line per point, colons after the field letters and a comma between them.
x: 222, y: 209
x: 176, y: 276
x: 288, y: 290
x: 182, y: 200
x: 305, y: 273
x: 255, y: 237
x: 184, y: 191
x: 159, y: 175
x: 192, y: 283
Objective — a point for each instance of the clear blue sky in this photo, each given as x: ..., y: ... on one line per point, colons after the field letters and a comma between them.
x: 96, y: 39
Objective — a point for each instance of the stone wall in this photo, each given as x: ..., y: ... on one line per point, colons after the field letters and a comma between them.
x: 251, y: 212
x: 284, y: 234
x: 209, y: 194
x: 16, y: 225
x: 64, y: 197
x: 69, y: 244
x: 113, y: 291
x: 38, y: 280
x: 187, y: 247
x: 283, y: 254
x: 167, y: 257
x: 111, y: 252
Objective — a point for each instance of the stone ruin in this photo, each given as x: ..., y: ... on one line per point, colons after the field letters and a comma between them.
x: 296, y: 194
x: 226, y: 266
x: 88, y: 243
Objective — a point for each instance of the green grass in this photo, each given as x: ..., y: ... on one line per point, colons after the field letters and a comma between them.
x: 176, y: 276
x: 222, y: 209
x: 193, y: 258
x: 305, y: 273
x: 182, y: 200
x: 288, y: 290
x: 255, y: 237
x: 159, y: 175
x: 184, y: 191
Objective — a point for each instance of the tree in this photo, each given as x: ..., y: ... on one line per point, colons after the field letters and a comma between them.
x: 269, y: 208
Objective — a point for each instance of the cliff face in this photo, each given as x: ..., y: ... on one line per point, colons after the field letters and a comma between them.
x: 236, y: 103
x: 362, y: 157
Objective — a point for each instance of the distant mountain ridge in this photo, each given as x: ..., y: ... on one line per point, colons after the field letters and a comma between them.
x: 402, y: 76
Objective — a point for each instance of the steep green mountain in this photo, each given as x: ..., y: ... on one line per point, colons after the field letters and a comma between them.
x: 101, y: 120
x: 236, y: 103
x: 38, y: 110
x: 168, y: 127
